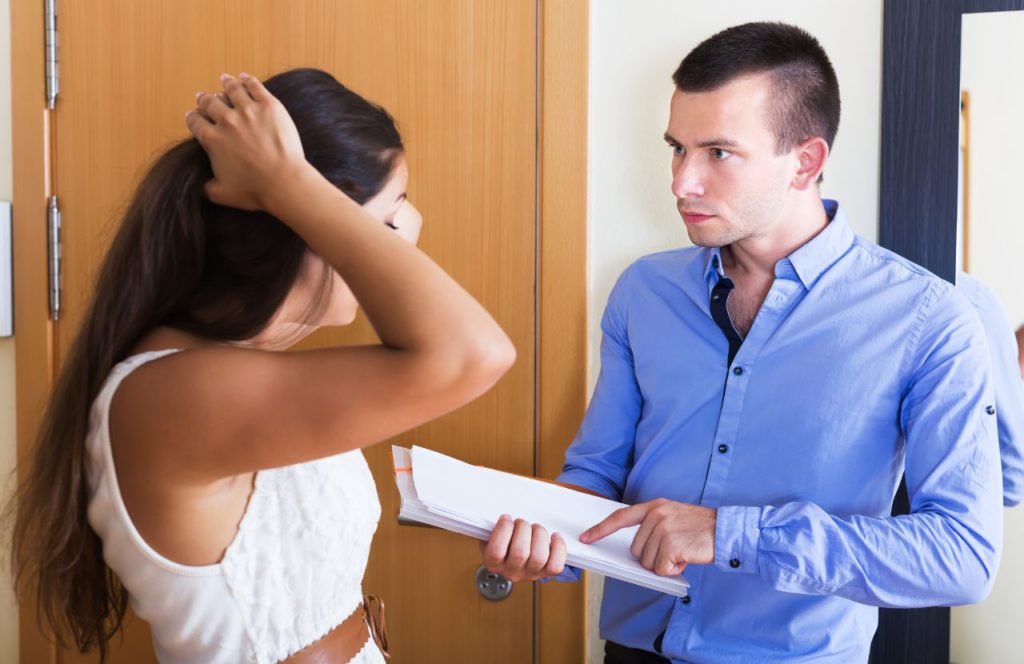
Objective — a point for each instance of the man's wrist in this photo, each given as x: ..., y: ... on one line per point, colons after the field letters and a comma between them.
x: 712, y: 530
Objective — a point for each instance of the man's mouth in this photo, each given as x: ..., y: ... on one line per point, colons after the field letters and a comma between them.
x: 695, y: 217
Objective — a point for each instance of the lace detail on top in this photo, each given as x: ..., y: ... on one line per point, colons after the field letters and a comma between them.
x: 292, y: 573
x: 297, y: 562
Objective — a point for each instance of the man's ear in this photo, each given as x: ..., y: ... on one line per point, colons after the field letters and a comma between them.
x: 812, y: 155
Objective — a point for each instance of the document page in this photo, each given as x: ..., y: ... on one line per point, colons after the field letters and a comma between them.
x: 451, y: 494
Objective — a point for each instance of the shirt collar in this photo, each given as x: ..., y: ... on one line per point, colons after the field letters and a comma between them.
x: 822, y: 251
x: 713, y: 267
x: 809, y: 261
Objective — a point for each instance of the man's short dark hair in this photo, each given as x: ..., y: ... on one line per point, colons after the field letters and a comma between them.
x: 805, y: 103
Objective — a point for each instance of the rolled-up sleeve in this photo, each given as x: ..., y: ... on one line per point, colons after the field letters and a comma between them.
x: 1006, y: 383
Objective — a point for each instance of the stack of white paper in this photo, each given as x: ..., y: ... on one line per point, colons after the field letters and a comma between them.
x: 445, y: 492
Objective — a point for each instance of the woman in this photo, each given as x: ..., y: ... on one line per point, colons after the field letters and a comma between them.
x: 221, y: 481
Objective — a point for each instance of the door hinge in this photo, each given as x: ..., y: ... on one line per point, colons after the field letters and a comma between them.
x: 53, y: 227
x: 52, y: 76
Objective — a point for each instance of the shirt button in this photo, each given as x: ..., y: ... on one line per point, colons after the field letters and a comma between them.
x: 734, y: 563
x: 685, y: 600
x: 723, y: 448
x: 738, y: 371
x: 990, y: 409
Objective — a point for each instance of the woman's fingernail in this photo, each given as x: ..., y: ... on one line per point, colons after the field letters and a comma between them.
x: 224, y: 77
x: 585, y: 537
x: 198, y: 95
x: 243, y: 76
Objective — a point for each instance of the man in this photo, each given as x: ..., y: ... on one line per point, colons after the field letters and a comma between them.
x: 761, y: 395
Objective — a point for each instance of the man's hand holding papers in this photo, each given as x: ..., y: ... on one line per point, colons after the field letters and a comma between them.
x: 671, y: 536
x: 475, y: 501
x: 522, y: 551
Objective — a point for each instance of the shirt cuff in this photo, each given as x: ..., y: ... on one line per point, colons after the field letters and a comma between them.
x: 737, y: 532
x: 569, y: 574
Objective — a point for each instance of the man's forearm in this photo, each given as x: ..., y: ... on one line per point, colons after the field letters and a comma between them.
x: 923, y: 559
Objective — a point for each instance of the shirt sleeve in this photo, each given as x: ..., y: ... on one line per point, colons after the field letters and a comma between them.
x: 1009, y: 396
x: 946, y: 551
x: 569, y: 575
x: 601, y: 456
x: 1007, y: 384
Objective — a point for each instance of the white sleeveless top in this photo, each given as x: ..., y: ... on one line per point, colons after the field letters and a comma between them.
x: 292, y: 573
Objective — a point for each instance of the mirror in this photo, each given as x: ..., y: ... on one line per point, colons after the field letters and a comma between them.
x: 992, y: 154
x: 990, y: 243
x: 926, y: 184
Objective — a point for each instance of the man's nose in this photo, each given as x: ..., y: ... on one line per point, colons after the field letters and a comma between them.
x: 687, y: 180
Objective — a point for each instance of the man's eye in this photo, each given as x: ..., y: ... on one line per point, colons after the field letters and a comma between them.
x: 677, y: 150
x: 720, y: 154
x: 391, y: 225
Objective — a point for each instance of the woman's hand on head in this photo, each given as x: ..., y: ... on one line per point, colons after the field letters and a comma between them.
x: 252, y: 142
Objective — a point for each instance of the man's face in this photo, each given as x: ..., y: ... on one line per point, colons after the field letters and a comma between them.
x: 729, y: 183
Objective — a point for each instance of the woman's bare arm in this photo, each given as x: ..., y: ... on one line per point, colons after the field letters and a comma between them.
x: 221, y: 411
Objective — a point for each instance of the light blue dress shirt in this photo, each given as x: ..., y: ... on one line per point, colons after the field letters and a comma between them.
x: 860, y: 366
x: 1008, y: 386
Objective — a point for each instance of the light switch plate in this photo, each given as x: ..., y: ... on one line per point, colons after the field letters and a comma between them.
x: 6, y: 272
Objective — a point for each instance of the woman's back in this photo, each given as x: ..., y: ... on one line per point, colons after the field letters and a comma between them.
x: 291, y: 574
x: 240, y: 462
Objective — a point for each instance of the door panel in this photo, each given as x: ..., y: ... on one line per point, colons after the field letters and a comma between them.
x: 460, y: 78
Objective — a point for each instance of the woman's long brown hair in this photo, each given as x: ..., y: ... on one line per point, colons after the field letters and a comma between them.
x: 181, y: 261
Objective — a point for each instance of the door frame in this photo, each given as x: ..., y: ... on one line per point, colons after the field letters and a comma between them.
x: 560, y: 624
x: 35, y: 333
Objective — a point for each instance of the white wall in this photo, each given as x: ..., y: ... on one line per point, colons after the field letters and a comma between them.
x: 992, y: 46
x: 634, y: 48
x: 8, y: 609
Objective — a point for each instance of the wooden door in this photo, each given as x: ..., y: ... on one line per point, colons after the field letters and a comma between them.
x: 461, y: 78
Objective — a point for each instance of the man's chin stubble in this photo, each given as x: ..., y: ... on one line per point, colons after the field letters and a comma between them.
x: 707, y: 240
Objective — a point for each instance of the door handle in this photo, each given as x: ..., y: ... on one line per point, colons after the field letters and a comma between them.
x: 491, y: 585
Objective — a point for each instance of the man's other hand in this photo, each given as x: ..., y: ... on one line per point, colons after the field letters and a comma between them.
x: 671, y: 536
x: 521, y: 551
